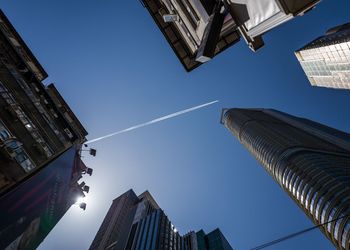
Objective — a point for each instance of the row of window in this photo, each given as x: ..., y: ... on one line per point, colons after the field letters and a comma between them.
x: 29, y: 125
x: 262, y: 144
x: 15, y: 149
x: 320, y: 66
x: 344, y: 46
x: 329, y: 57
x: 146, y: 232
x: 311, y: 194
x: 331, y: 82
x: 21, y: 52
x: 187, y: 24
x: 36, y: 102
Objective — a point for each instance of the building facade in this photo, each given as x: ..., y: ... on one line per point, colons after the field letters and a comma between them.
x: 326, y: 60
x: 36, y: 124
x: 40, y: 146
x: 137, y: 222
x: 197, y: 30
x: 310, y: 161
x: 211, y: 241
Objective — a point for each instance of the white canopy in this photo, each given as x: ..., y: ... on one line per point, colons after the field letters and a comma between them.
x: 258, y: 11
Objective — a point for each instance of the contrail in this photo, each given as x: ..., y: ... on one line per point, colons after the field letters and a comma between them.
x: 153, y: 121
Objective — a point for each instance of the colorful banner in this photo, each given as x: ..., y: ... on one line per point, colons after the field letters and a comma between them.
x: 30, y: 211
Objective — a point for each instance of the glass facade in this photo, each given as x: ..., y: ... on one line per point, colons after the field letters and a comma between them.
x: 137, y: 223
x: 155, y: 231
x: 216, y: 241
x: 326, y: 61
x: 310, y: 161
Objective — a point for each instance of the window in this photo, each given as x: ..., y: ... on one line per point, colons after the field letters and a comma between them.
x: 303, y: 193
x: 286, y: 175
x: 345, y: 234
x: 313, y: 201
x: 21, y: 156
x: 17, y: 152
x: 299, y: 189
x: 318, y: 206
x: 25, y: 120
x: 4, y: 135
x: 324, y: 210
x: 290, y: 180
x: 307, y: 198
x: 337, y: 225
x: 330, y: 218
x: 296, y: 182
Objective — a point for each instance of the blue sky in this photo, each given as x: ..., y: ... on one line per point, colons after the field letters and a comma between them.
x: 115, y: 69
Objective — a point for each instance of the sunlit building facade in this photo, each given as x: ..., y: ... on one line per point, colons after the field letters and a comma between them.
x: 137, y: 222
x: 36, y: 124
x: 310, y: 161
x: 197, y: 30
x: 326, y: 60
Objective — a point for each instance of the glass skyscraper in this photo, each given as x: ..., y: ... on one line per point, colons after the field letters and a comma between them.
x: 310, y: 161
x: 137, y: 222
x: 326, y: 60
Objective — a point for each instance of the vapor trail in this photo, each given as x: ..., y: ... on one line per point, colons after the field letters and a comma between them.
x: 153, y: 121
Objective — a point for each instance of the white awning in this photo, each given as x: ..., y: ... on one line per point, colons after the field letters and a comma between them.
x: 258, y: 11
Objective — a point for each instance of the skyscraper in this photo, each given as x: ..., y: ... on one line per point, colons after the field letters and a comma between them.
x: 197, y: 30
x: 326, y: 60
x: 310, y: 161
x: 137, y: 222
x: 214, y: 240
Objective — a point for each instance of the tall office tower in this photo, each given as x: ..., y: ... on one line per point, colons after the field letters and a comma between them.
x: 36, y: 124
x: 326, y: 60
x: 310, y: 161
x: 137, y: 222
x: 197, y: 30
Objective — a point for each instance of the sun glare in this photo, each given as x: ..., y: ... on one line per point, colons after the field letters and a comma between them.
x: 80, y: 200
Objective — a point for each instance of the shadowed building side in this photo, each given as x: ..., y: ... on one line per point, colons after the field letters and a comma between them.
x: 36, y: 124
x: 137, y: 223
x: 125, y: 211
x: 40, y: 148
x: 310, y: 161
